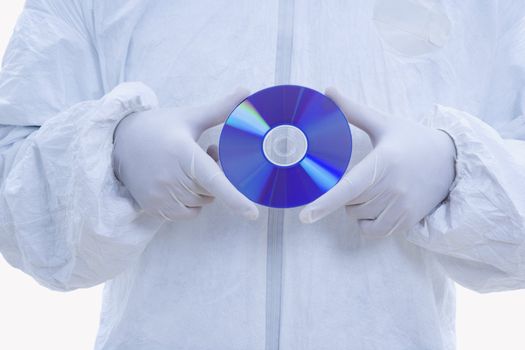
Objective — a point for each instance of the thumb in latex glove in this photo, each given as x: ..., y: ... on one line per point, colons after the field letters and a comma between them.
x: 407, y: 174
x: 157, y: 158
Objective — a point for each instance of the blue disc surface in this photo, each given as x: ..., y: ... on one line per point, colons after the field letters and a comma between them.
x: 250, y: 152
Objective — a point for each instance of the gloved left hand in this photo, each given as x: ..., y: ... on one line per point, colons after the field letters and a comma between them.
x: 157, y: 158
x: 407, y: 174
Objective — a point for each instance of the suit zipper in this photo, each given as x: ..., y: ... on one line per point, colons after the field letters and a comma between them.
x: 274, y: 255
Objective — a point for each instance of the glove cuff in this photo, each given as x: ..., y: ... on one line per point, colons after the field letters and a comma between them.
x: 130, y: 97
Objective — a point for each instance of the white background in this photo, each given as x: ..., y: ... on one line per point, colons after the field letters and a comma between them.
x: 32, y: 317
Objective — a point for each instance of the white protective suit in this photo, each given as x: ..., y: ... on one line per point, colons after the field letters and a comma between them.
x: 220, y: 282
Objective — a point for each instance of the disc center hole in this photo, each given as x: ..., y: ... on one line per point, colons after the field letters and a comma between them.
x: 285, y: 145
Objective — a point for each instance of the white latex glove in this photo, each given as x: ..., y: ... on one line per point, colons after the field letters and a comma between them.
x: 407, y: 174
x: 157, y: 158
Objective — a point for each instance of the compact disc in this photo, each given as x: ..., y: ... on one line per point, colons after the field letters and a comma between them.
x: 285, y: 146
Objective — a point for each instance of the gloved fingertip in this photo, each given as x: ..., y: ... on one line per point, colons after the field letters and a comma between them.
x: 331, y: 92
x: 306, y: 216
x: 350, y: 212
x: 251, y: 213
x: 240, y: 93
x: 372, y: 237
x: 241, y: 90
x: 370, y: 231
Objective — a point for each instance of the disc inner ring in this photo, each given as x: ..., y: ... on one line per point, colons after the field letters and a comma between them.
x: 285, y: 145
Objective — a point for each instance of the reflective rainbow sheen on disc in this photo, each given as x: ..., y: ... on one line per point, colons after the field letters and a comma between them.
x: 326, y: 159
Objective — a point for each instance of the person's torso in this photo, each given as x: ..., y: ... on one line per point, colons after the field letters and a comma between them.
x: 218, y: 282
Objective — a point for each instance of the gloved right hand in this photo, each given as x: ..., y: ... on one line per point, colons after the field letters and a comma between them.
x: 405, y: 177
x: 157, y: 158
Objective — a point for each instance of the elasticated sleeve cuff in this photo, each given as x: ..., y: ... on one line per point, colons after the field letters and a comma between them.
x: 482, y: 222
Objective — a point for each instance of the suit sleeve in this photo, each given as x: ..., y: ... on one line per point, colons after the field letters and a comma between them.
x: 64, y: 218
x: 478, y: 233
